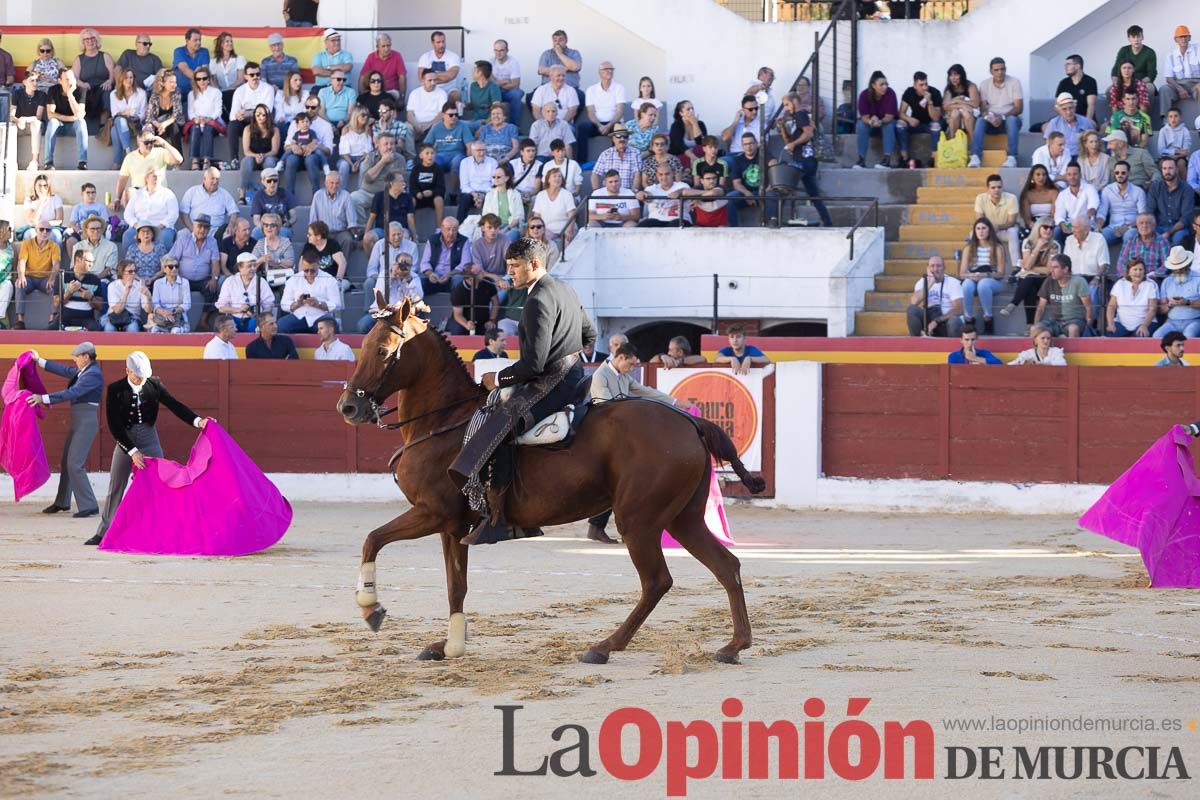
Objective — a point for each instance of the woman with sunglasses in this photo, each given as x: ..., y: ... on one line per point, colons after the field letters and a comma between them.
x: 1036, y: 253
x: 246, y: 294
x: 204, y: 106
x: 505, y: 202
x: 274, y: 249
x: 164, y: 109
x: 372, y: 94
x: 355, y: 146
x: 128, y: 300
x: 289, y: 102
x: 43, y: 206
x: 127, y: 104
x: 47, y: 66
x: 171, y: 300
x: 536, y: 229
x: 260, y: 147
x: 659, y: 155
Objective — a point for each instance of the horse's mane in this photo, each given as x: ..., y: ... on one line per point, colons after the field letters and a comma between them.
x: 452, y: 355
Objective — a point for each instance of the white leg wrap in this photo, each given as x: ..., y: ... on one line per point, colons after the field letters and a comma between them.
x: 456, y: 637
x: 366, y: 596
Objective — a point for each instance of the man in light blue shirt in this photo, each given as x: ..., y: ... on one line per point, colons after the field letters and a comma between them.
x: 331, y: 58
x: 1120, y: 204
x: 211, y: 200
x: 1068, y: 123
x: 1179, y: 296
x: 336, y: 100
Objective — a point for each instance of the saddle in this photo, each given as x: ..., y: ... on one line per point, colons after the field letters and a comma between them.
x: 561, y: 427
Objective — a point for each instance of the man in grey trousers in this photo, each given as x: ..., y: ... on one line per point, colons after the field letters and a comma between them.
x: 84, y: 386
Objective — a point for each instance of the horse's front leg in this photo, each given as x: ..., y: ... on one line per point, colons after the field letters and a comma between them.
x: 454, y: 645
x: 412, y: 524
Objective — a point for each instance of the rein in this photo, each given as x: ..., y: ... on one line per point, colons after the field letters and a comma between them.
x: 391, y: 426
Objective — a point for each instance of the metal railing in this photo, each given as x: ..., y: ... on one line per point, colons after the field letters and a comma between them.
x: 820, y: 10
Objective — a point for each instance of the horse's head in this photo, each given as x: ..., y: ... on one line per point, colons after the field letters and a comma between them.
x: 381, y: 372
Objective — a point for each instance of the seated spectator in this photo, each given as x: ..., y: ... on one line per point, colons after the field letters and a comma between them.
x: 1172, y: 345
x: 140, y: 61
x: 645, y: 127
x: 1036, y: 252
x: 277, y: 65
x: 270, y: 199
x: 710, y: 162
x: 6, y: 271
x: 65, y: 112
x: 1141, y: 166
x: 877, y: 111
x: 428, y: 183
x: 270, y: 343
x: 535, y: 228
x: 389, y: 64
x: 425, y: 105
x: 1054, y: 157
x: 746, y: 121
x: 679, y: 353
x: 152, y: 153
x: 305, y: 146
x: 1191, y: 243
x: 1041, y: 353
x: 444, y: 65
x: 960, y: 103
x: 572, y: 174
x: 1193, y: 170
x: 1144, y: 60
x: 738, y: 355
x: 170, y: 301
x: 747, y: 178
x: 608, y: 209
x: 261, y: 148
x: 1179, y: 296
x: 1131, y: 121
x: 1175, y: 140
x: 1081, y: 86
x: 104, y: 251
x: 941, y: 315
x: 332, y: 58
x: 128, y: 301
x: 1124, y: 81
x: 507, y: 72
x: 559, y: 93
x: 1133, y: 304
x: 147, y: 252
x: 127, y: 104
x: 920, y: 112
x: 969, y: 353
x: 474, y: 304
x: 1088, y: 252
x: 710, y: 208
x: 449, y: 139
x: 621, y: 157
x: 80, y: 295
x: 664, y: 203
x: 72, y: 230
x: 204, y: 118
x: 1145, y: 245
x: 647, y: 94
x: 493, y: 346
x: 330, y: 347
x: 47, y: 67
x: 1068, y: 123
x: 200, y: 263
x: 220, y: 347
x: 445, y: 259
x: 604, y: 106
x: 238, y: 243
x: 290, y: 102
x: 657, y: 156
x: 1000, y: 104
x: 371, y: 94
x: 482, y: 94
x: 28, y: 112
x: 274, y: 252
x: 390, y: 124
x: 499, y: 136
x: 474, y: 181
x: 1182, y: 72
x: 337, y: 99
x: 228, y: 73
x: 211, y: 200
x: 1171, y: 201
x: 39, y: 269
x: 164, y: 109
x: 487, y: 253
x: 375, y: 173
x: 43, y: 205
x: 527, y: 170
x: 1064, y: 301
x: 1095, y: 165
x: 550, y: 129
x: 1002, y: 209
x: 332, y: 206
x: 308, y: 296
x: 400, y: 282
x: 1078, y: 200
x: 391, y: 207
x: 556, y: 207
x: 153, y: 205
x: 983, y: 259
x: 505, y: 203
x: 1120, y: 204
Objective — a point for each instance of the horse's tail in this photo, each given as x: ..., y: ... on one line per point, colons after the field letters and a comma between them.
x: 721, y: 447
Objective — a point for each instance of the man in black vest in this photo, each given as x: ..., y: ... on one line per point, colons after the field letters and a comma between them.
x: 445, y: 259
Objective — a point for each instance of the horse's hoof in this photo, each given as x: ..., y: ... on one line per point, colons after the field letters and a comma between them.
x: 429, y: 654
x: 375, y: 618
x: 726, y: 658
x: 594, y: 657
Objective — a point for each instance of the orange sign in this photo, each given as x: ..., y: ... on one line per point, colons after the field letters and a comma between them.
x: 724, y: 400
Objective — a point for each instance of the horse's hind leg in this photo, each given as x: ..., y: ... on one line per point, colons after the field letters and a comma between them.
x: 690, y: 530
x: 645, y: 550
x: 454, y: 645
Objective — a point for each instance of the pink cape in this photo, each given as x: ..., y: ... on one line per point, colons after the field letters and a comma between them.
x: 22, y: 453
x: 714, y: 510
x: 220, y: 504
x: 1155, y: 507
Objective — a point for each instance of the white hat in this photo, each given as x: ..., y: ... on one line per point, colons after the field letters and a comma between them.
x: 1064, y: 97
x: 246, y: 257
x: 138, y: 363
x: 331, y: 32
x: 1179, y: 258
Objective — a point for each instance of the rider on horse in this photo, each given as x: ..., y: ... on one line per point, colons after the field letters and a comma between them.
x: 553, y: 329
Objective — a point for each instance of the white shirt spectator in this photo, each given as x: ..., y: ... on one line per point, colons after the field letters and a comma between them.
x: 1121, y: 209
x: 941, y: 295
x: 1131, y: 307
x: 287, y: 110
x: 475, y: 176
x: 1090, y: 258
x: 565, y: 98
x: 1055, y: 166
x: 218, y: 206
x: 160, y: 208
x: 554, y: 213
x: 135, y: 103
x: 225, y: 73
x: 219, y: 350
x: 510, y: 69
x: 1055, y: 357
x: 355, y: 144
x: 605, y: 101
x: 246, y: 99
x: 235, y: 293
x: 524, y: 175
x: 385, y: 253
x: 443, y: 63
x: 207, y: 104
x: 324, y: 288
x: 665, y: 209
x: 1070, y: 206
x: 116, y: 294
x: 1185, y: 65
x: 601, y: 202
x: 411, y: 289
x: 572, y: 174
x: 337, y: 350
x: 426, y: 106
x: 320, y: 127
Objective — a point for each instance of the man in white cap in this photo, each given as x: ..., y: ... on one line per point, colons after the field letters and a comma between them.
x: 131, y: 410
x: 1068, y: 123
x: 276, y: 66
x: 332, y: 59
x: 1179, y: 296
x: 84, y: 386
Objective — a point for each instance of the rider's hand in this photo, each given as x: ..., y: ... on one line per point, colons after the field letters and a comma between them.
x: 488, y: 381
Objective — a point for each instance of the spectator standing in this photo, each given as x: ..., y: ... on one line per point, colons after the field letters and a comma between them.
x: 1182, y: 72
x: 1179, y: 296
x: 936, y: 305
x: 960, y: 102
x: 968, y: 353
x: 308, y: 296
x: 300, y: 13
x: 605, y: 102
x: 1001, y: 105
x: 332, y: 59
x: 270, y: 343
x: 982, y: 260
x: 764, y: 80
x: 141, y: 61
x: 1144, y: 59
x: 877, y: 111
x: 1036, y: 252
x: 65, y: 112
x: 1171, y: 201
x: 1068, y: 123
x: 444, y: 65
x: 389, y: 64
x: 920, y: 112
x: 277, y: 66
x: 741, y: 356
x: 1146, y: 245
x: 170, y: 301
x: 1133, y: 304
x: 1041, y: 353
x: 621, y: 157
x: 28, y: 112
x: 1141, y: 167
x: 1064, y: 301
x: 1081, y: 86
x: 506, y: 71
x: 1172, y: 346
x: 1002, y: 210
x: 220, y: 346
x: 330, y: 347
x: 186, y: 59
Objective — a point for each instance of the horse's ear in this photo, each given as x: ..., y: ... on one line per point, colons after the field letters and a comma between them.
x: 380, y: 303
x: 405, y: 309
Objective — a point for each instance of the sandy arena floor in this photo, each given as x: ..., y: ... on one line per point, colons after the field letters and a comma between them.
x: 128, y: 676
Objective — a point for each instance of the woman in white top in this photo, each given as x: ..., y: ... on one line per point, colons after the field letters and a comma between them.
x: 204, y: 112
x: 126, y: 294
x: 245, y: 294
x: 526, y: 171
x: 356, y: 144
x: 1133, y: 303
x: 569, y: 167
x: 983, y: 259
x: 228, y: 69
x: 555, y: 206
x: 1093, y: 161
x: 646, y: 94
x: 43, y: 206
x: 170, y: 301
x: 505, y: 202
x: 1041, y: 352
x: 289, y: 102
x: 127, y: 102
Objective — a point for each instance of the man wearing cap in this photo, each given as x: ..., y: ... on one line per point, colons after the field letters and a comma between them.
x: 200, y: 263
x: 1179, y: 296
x: 606, y: 101
x: 131, y: 411
x: 1079, y: 85
x: 1171, y: 201
x: 1068, y: 123
x: 1172, y: 345
x: 332, y: 59
x: 1141, y: 165
x: 84, y: 384
x: 271, y: 199
x: 621, y: 157
x: 1182, y: 72
x: 276, y: 66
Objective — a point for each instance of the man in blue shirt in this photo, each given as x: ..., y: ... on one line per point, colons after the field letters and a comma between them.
x: 84, y: 387
x: 969, y: 353
x: 449, y: 138
x: 186, y: 59
x: 738, y: 355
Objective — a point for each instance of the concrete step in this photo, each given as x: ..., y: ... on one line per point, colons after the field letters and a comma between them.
x: 933, y: 233
x: 911, y: 268
x: 887, y: 301
x: 992, y: 159
x: 956, y: 177
x: 895, y: 283
x: 923, y: 250
x: 947, y: 195
x: 880, y: 323
x: 935, y: 214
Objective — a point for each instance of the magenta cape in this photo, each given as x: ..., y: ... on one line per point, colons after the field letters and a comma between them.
x: 220, y: 504
x: 22, y: 453
x: 1155, y: 507
x: 714, y: 511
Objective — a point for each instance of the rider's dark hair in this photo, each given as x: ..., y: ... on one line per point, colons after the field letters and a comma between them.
x: 527, y: 249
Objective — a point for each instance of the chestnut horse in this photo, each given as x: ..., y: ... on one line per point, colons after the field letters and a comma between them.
x: 643, y: 459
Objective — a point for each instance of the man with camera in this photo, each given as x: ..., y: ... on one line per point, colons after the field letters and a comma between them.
x: 152, y: 153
